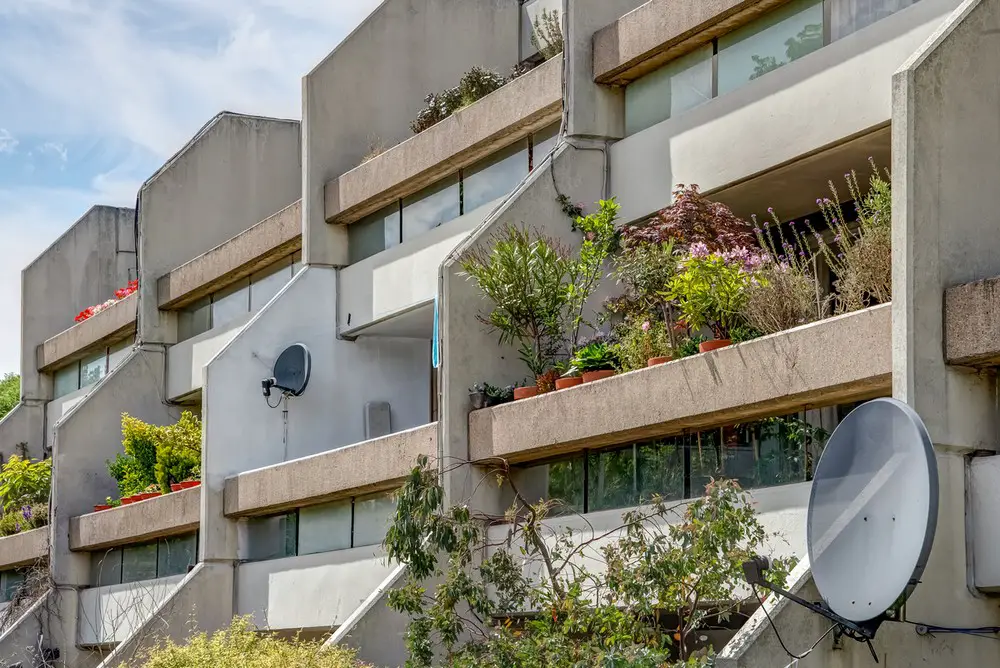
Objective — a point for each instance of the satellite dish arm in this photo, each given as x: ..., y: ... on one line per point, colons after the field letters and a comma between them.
x: 753, y: 571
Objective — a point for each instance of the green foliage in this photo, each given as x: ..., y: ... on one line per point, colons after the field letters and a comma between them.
x: 595, y: 356
x: 711, y: 292
x: 24, y: 518
x: 547, y: 35
x: 528, y: 279
x: 10, y: 393
x: 178, y: 451
x: 742, y: 333
x: 689, y: 346
x: 672, y: 571
x: 240, y: 646
x: 641, y: 339
x: 156, y: 455
x: 475, y: 84
x: 24, y: 482
x: 694, y: 219
x: 600, y: 238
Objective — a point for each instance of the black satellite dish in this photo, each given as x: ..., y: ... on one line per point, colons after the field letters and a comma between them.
x: 291, y: 371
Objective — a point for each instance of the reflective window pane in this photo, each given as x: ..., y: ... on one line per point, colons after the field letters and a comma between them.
x: 66, y: 380
x: 93, y: 368
x: 194, y: 319
x: 325, y: 528
x: 296, y: 263
x: 264, y: 285
x: 430, y: 208
x: 231, y: 303
x: 679, y: 85
x: 775, y: 39
x: 611, y: 480
x: 849, y: 16
x: 566, y: 485
x: 139, y: 563
x: 494, y: 177
x: 175, y: 555
x: 532, y: 13
x: 106, y: 567
x: 372, y: 516
x: 12, y: 581
x: 542, y: 144
x: 118, y: 352
x: 271, y: 537
x: 374, y: 233
x: 660, y: 469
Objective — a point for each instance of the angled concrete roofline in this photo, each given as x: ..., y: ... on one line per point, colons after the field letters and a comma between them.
x: 247, y: 252
x: 369, y: 466
x: 168, y: 515
x: 512, y: 113
x: 110, y: 325
x: 346, y: 39
x: 661, y: 30
x: 69, y: 229
x: 840, y: 359
x: 22, y: 549
x: 202, y: 132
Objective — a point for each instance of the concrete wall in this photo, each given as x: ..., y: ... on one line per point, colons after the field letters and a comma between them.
x: 375, y: 630
x: 821, y: 99
x: 944, y: 141
x: 242, y: 433
x: 592, y: 110
x: 22, y: 430
x: 84, y: 439
x: 83, y: 267
x: 374, y: 83
x: 402, y: 276
x: 20, y: 641
x: 469, y: 353
x: 311, y: 592
x: 112, y: 614
x: 187, y: 359
x: 237, y: 171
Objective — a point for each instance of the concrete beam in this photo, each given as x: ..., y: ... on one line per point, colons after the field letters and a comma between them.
x: 24, y: 548
x: 520, y: 108
x: 168, y: 515
x: 366, y: 467
x: 661, y: 30
x: 247, y: 252
x: 840, y: 359
x: 110, y: 325
x: 972, y: 324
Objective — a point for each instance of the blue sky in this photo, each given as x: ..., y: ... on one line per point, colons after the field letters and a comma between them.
x: 96, y: 94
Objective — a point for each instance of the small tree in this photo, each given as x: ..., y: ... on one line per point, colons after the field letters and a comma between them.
x: 671, y: 571
x: 547, y: 34
x: 10, y: 393
x: 691, y: 219
x: 599, y: 240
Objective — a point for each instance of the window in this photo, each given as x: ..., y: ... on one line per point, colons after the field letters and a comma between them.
x: 194, y: 319
x: 66, y: 380
x: 147, y: 561
x: 89, y: 370
x: 93, y: 368
x: 765, y: 453
x: 849, y: 16
x: 374, y: 233
x: 679, y: 85
x: 431, y: 207
x: 531, y: 11
x: 327, y: 527
x: 10, y: 583
x: 494, y: 177
x: 231, y: 302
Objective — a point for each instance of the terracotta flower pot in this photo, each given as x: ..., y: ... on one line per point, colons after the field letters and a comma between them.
x: 655, y: 361
x: 99, y: 507
x: 190, y: 483
x: 591, y: 376
x: 709, y: 346
x: 126, y: 500
x: 175, y: 487
x: 525, y: 392
x: 572, y: 381
x: 148, y: 495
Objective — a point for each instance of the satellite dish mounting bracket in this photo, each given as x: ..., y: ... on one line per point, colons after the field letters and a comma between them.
x: 753, y: 571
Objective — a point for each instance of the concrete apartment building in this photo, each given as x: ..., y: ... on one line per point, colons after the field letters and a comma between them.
x: 263, y: 233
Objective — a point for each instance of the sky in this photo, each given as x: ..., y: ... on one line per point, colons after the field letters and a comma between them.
x: 95, y: 95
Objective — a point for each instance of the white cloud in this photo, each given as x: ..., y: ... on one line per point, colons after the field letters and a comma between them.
x: 7, y: 141
x: 144, y: 76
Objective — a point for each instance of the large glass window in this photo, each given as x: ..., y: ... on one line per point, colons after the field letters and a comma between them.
x: 374, y: 234
x: 271, y: 537
x: 773, y: 40
x: 139, y: 563
x: 11, y: 582
x: 264, y: 285
x: 93, y: 368
x: 117, y: 354
x: 175, y: 556
x: 325, y: 528
x: 230, y: 303
x: 66, y: 380
x: 431, y: 208
x: 849, y: 16
x: 611, y: 479
x: 542, y: 144
x: 679, y: 85
x: 194, y: 319
x: 372, y: 516
x: 494, y: 177
x: 106, y: 568
x: 146, y: 561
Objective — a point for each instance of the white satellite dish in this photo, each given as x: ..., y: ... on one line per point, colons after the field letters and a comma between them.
x: 872, y: 510
x: 872, y: 515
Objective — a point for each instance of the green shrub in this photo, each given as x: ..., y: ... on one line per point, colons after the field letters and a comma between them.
x: 25, y: 518
x: 10, y: 393
x: 24, y: 482
x: 178, y: 452
x: 475, y: 84
x: 641, y: 339
x: 711, y: 291
x: 240, y: 646
x: 156, y: 455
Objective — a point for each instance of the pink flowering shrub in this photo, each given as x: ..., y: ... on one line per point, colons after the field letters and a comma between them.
x: 120, y: 294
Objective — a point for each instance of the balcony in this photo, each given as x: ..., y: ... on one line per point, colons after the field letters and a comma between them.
x: 168, y: 515
x: 841, y: 359
x: 513, y: 112
x: 24, y: 548
x: 112, y: 324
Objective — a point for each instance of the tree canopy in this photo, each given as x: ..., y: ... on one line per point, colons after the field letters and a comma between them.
x: 10, y: 393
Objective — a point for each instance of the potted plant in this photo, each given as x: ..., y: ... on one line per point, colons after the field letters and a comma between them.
x: 711, y: 290
x: 102, y: 506
x: 596, y: 360
x: 570, y: 376
x: 477, y: 397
